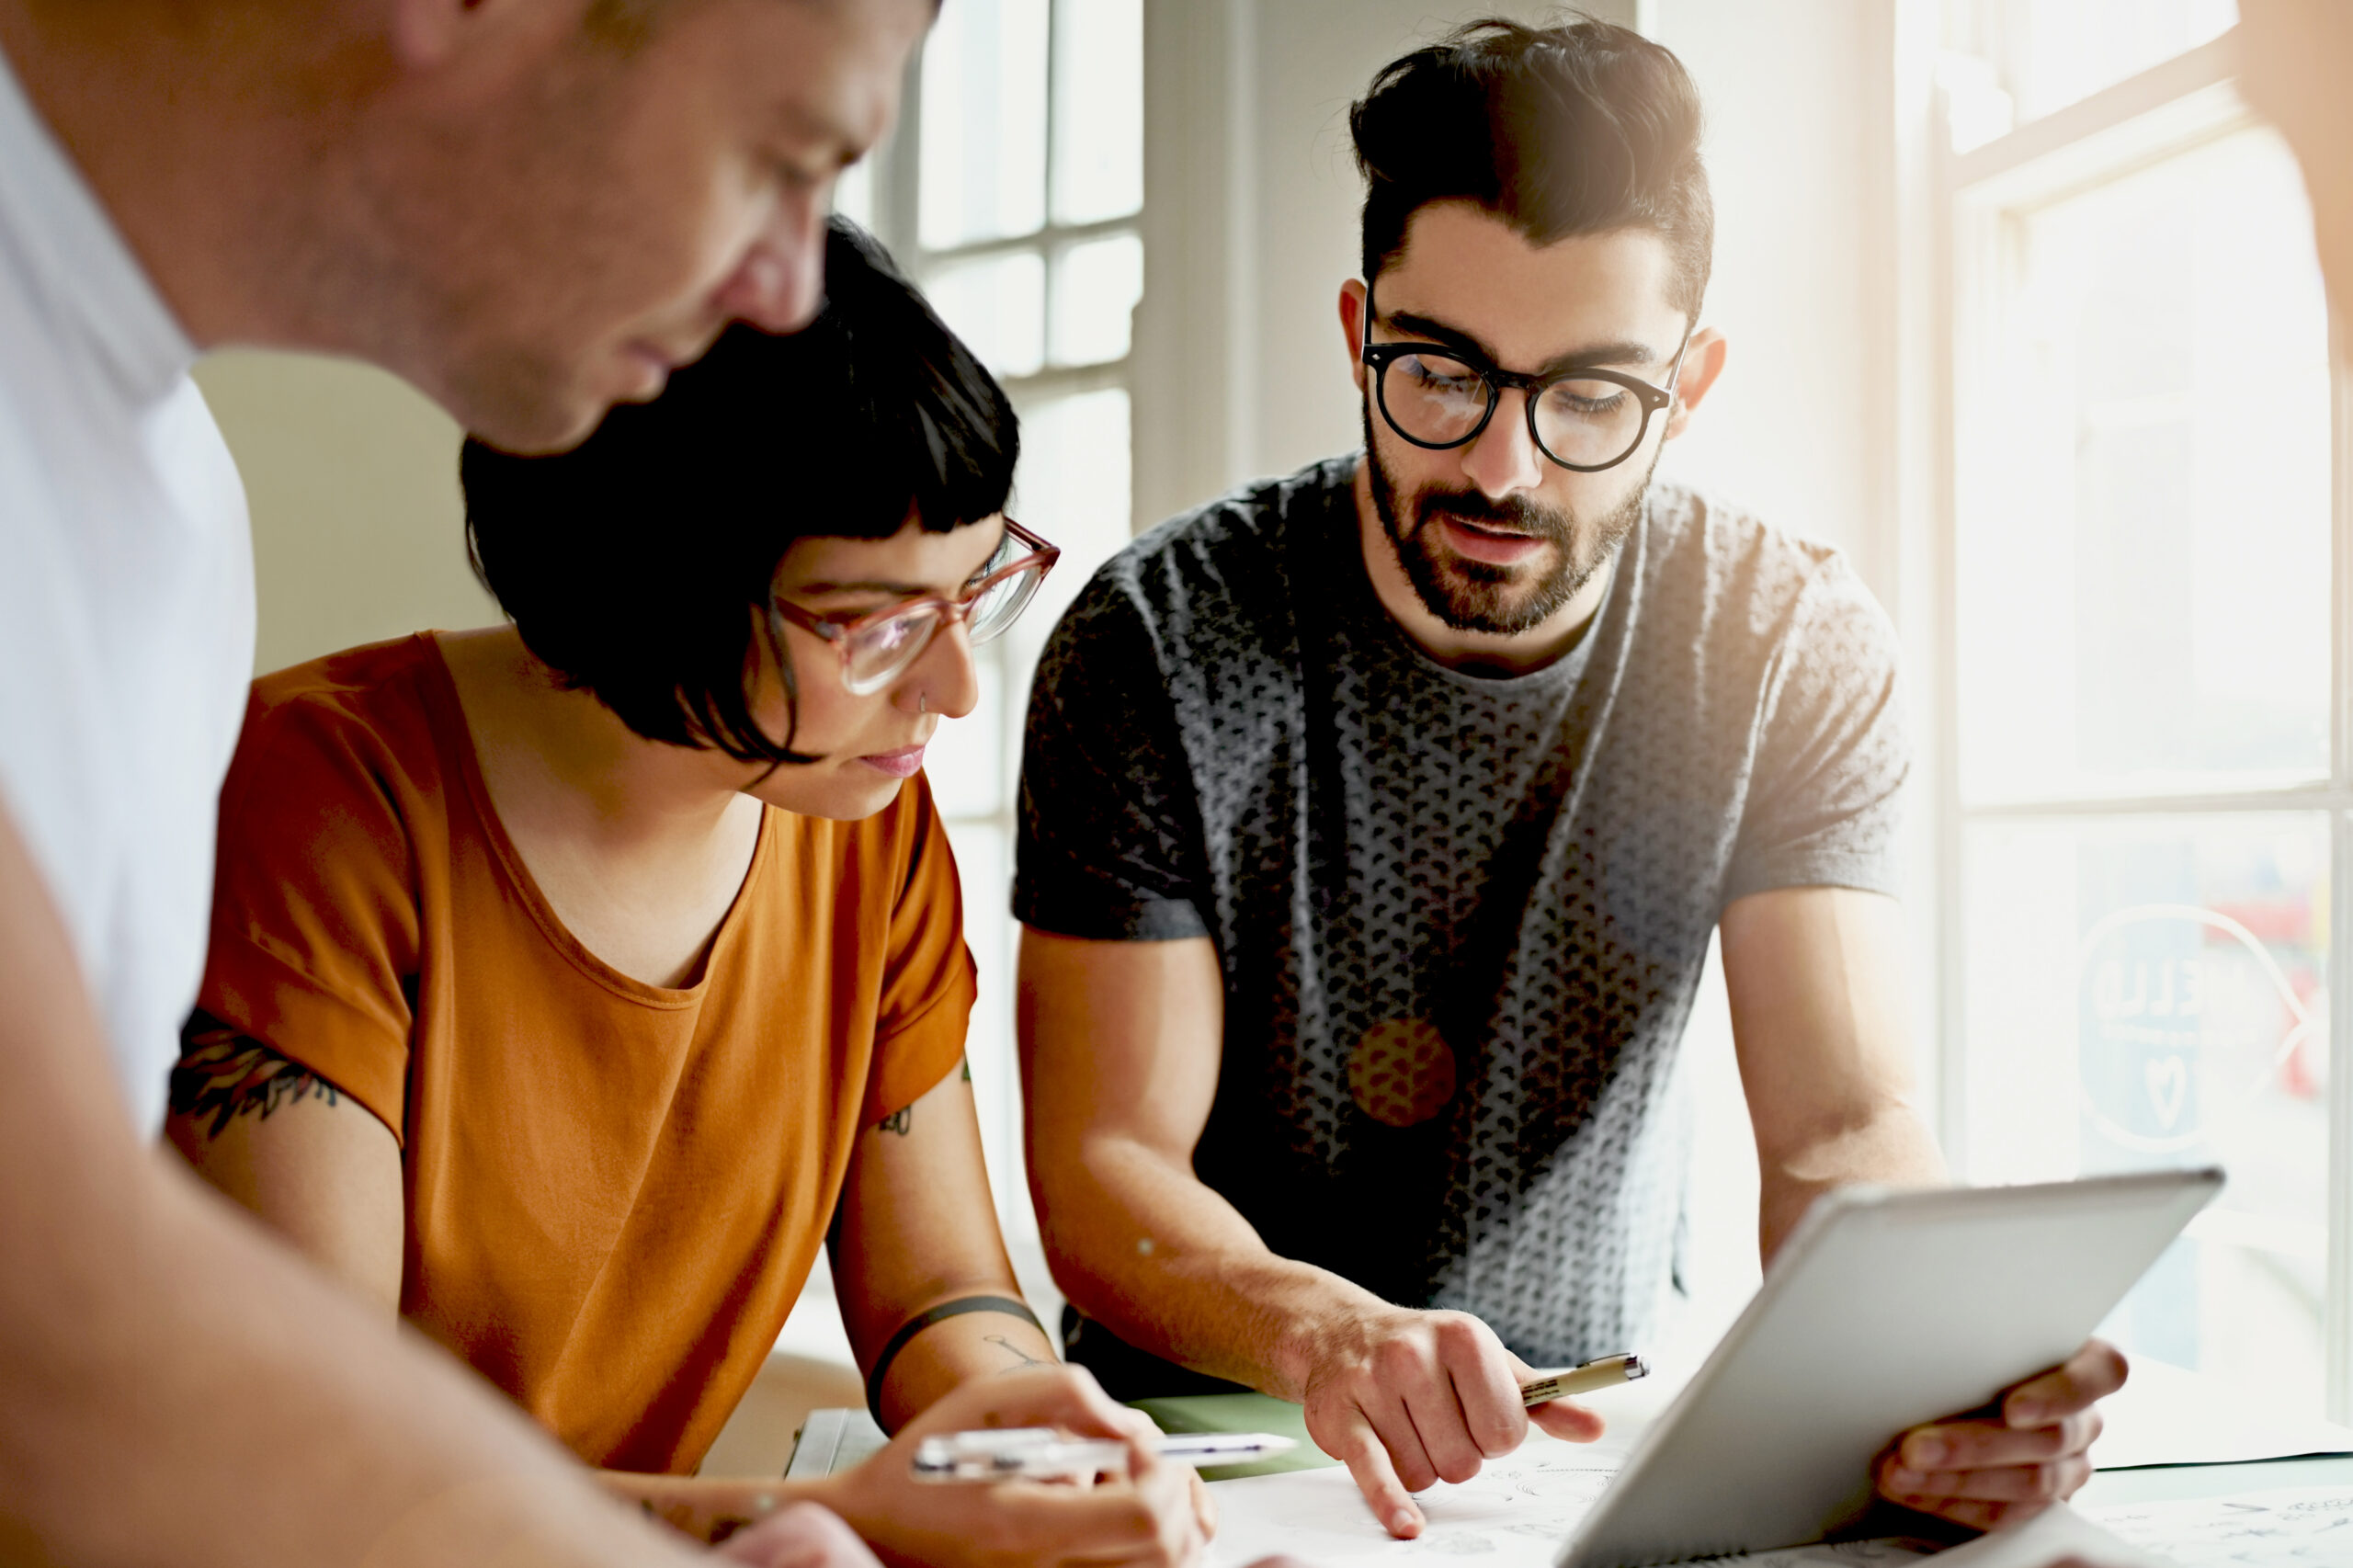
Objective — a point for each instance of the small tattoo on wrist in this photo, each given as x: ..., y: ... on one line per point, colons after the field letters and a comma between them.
x: 1021, y: 1357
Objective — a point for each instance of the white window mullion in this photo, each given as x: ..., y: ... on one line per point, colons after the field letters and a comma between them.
x: 2339, y: 1314
x: 1963, y: 327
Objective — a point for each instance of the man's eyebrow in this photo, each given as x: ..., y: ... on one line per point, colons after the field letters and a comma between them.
x: 1595, y: 356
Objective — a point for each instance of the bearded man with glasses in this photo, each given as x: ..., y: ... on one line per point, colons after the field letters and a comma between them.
x: 1377, y: 821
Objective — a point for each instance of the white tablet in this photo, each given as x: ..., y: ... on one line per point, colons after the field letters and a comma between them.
x: 1884, y: 1310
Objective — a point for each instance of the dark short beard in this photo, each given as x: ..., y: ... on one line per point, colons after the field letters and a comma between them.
x: 1474, y: 595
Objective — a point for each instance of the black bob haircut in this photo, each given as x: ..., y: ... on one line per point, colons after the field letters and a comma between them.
x: 1579, y: 128
x: 638, y: 566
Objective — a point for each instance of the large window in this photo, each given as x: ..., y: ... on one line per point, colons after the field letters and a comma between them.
x: 1012, y: 191
x: 2147, y: 744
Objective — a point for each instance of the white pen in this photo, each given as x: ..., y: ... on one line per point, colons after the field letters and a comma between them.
x: 1041, y: 1453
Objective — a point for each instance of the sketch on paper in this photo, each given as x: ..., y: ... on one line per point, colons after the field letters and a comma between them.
x: 1514, y: 1514
x: 2304, y: 1527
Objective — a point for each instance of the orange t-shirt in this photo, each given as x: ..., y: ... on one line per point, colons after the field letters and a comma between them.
x: 615, y: 1190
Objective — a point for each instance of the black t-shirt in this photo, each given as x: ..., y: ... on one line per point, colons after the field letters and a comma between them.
x: 1461, y: 919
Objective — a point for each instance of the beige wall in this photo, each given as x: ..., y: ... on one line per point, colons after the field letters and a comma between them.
x: 352, y: 477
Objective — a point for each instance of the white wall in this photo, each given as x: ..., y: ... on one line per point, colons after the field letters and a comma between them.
x: 1800, y: 428
x: 1825, y: 416
x: 1812, y: 425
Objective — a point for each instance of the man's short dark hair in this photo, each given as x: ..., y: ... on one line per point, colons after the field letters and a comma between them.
x: 1579, y: 128
x: 638, y: 564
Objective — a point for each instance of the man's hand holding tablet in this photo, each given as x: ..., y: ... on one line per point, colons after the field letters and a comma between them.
x: 2034, y: 1450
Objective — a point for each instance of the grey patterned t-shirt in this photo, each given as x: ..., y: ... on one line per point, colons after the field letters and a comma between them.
x: 1461, y: 919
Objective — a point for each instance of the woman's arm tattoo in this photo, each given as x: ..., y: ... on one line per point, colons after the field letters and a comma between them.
x: 899, y: 1121
x: 224, y: 1075
x: 1020, y: 1357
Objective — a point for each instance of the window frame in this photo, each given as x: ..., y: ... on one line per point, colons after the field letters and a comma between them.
x: 2173, y: 107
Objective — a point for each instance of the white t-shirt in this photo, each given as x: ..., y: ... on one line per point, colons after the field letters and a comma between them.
x: 126, y: 601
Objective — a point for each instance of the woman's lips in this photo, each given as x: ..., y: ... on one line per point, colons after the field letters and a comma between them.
x: 900, y: 764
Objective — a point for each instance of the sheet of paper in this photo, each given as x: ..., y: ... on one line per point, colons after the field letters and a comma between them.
x: 1515, y: 1514
x: 2051, y: 1536
x: 2166, y: 1415
x: 1519, y: 1509
x: 2302, y: 1527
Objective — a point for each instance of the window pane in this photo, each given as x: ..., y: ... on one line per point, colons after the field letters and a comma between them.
x: 984, y: 866
x: 1072, y: 488
x: 1098, y: 110
x: 965, y: 761
x: 854, y: 193
x: 997, y: 307
x: 2143, y: 551
x: 982, y: 171
x: 1097, y: 286
x: 2053, y: 52
x: 2153, y: 992
x: 2074, y: 48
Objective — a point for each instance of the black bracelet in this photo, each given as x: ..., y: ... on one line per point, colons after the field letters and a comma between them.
x: 924, y: 1320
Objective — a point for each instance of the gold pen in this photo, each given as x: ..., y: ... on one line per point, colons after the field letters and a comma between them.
x: 1571, y: 1381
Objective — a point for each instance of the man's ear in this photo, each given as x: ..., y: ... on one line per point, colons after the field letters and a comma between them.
x: 1352, y: 299
x: 1703, y: 362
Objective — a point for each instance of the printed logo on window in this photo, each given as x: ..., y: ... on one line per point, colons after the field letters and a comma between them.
x: 2188, y: 1019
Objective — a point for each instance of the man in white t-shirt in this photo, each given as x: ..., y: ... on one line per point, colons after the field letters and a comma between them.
x: 531, y: 208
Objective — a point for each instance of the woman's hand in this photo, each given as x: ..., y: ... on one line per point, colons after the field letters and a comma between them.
x: 1146, y: 1518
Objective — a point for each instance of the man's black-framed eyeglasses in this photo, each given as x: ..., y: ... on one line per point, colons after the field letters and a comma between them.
x: 876, y: 648
x: 1438, y: 395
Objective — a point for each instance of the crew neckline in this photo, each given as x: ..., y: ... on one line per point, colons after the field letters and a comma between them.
x: 447, y: 716
x: 1363, y: 609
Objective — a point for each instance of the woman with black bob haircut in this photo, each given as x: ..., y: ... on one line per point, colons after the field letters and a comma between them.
x: 570, y: 977
x: 874, y: 414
